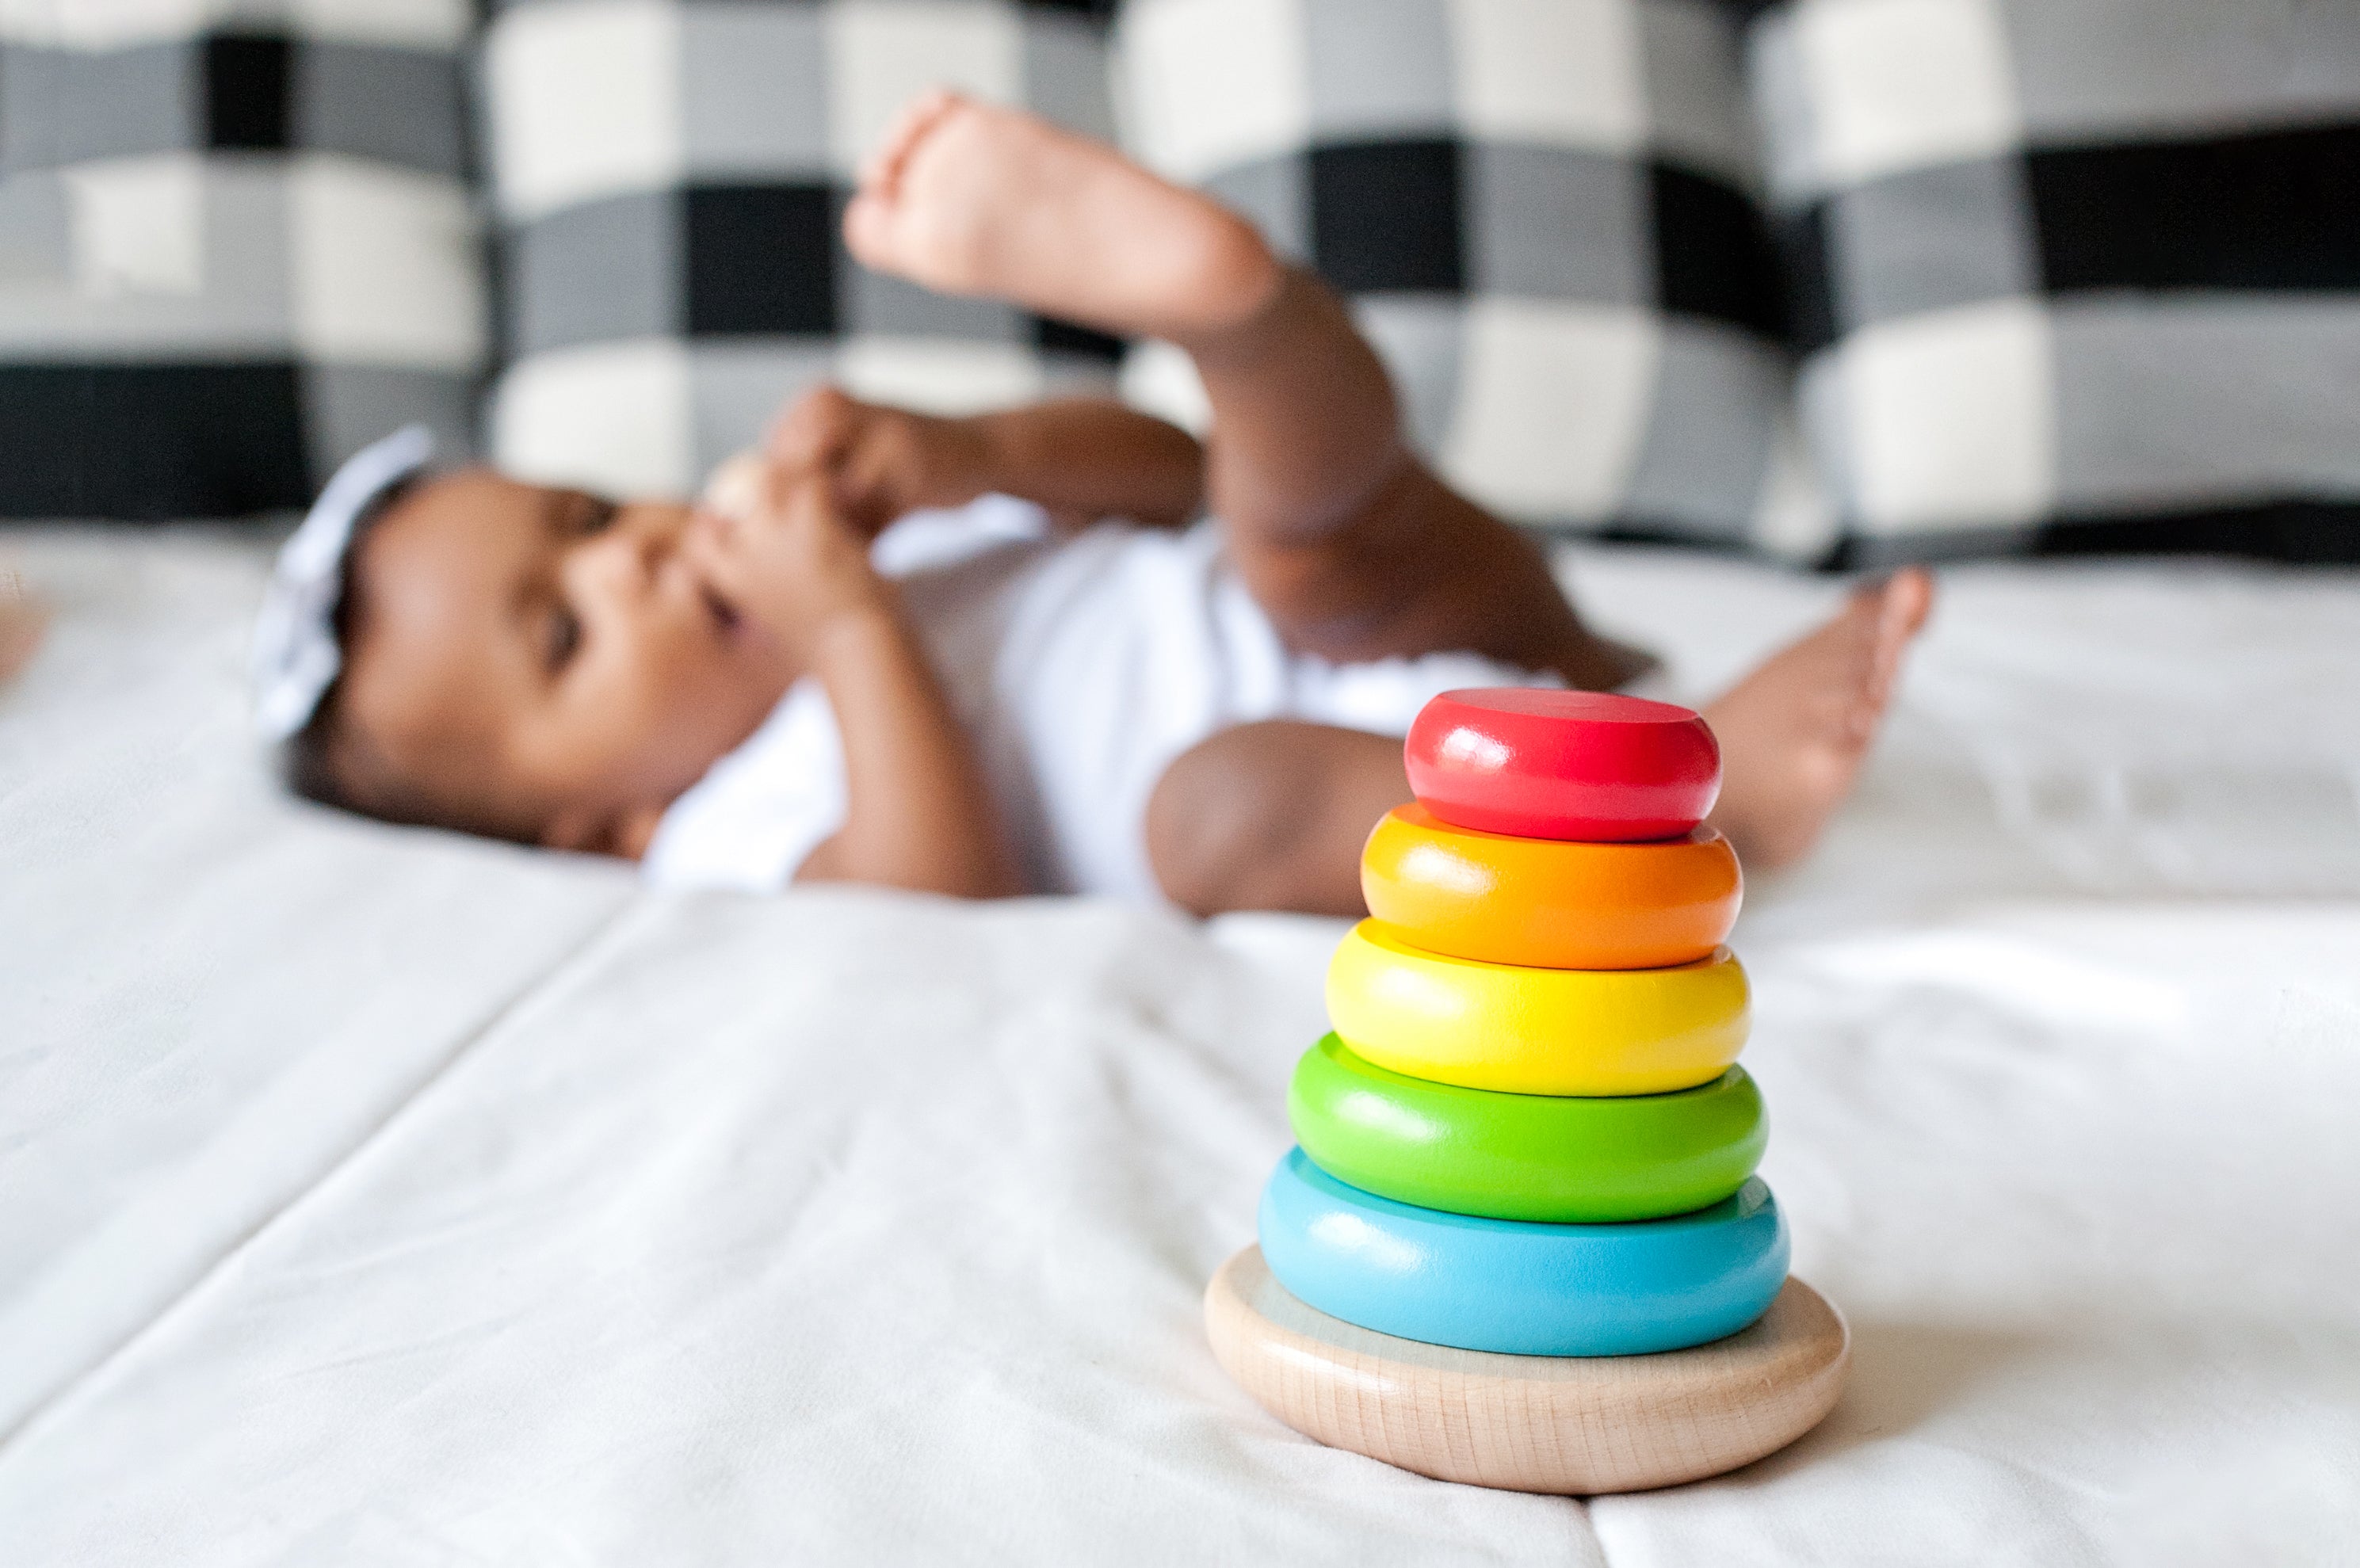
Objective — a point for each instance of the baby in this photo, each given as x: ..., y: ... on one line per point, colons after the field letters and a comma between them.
x: 1022, y: 698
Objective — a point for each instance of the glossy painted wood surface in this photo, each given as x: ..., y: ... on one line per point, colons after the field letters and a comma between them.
x: 1530, y: 1423
x: 1551, y: 903
x: 1536, y: 1032
x: 1570, y: 764
x: 1555, y: 1158
x: 1516, y: 1287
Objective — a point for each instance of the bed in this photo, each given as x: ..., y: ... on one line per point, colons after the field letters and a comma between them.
x: 371, y: 1196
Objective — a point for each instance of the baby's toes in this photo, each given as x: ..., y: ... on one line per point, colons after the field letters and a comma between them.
x: 1908, y: 598
x: 883, y: 168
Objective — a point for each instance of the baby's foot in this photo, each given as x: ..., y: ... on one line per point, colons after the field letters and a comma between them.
x: 969, y: 199
x: 1794, y: 733
x: 22, y: 621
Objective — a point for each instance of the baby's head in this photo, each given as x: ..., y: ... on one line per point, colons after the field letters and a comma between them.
x: 524, y: 662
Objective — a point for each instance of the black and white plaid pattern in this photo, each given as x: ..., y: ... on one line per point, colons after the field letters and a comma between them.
x: 236, y: 244
x: 1545, y: 214
x: 670, y: 178
x: 2074, y: 274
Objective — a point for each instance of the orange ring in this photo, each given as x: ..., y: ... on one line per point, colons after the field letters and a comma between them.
x: 1550, y: 903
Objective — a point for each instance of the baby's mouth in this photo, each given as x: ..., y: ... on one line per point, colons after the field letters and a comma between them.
x: 723, y: 614
x: 696, y: 561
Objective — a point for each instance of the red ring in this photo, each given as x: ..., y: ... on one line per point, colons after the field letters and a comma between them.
x: 1566, y: 765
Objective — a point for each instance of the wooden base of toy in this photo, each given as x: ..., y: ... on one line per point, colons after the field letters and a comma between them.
x: 1530, y: 1423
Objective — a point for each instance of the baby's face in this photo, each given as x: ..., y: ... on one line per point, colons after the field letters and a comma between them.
x: 546, y: 665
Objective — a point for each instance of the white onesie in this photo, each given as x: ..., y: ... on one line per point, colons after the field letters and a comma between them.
x: 1081, y: 668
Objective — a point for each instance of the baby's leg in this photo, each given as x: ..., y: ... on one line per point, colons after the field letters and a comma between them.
x: 1272, y: 816
x: 1354, y: 549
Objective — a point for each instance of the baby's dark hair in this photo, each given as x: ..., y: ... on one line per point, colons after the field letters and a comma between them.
x: 330, y: 761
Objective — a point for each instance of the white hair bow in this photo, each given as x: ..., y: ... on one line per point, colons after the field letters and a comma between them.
x: 295, y: 653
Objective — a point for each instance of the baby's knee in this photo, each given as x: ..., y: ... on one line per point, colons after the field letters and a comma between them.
x: 1271, y: 816
x: 1221, y: 815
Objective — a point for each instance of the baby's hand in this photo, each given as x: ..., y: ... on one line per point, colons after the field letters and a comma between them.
x: 881, y: 462
x: 773, y: 545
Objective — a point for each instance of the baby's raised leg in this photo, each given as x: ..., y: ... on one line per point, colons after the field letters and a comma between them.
x: 1351, y: 545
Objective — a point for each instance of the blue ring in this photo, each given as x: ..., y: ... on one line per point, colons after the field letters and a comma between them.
x: 1517, y: 1287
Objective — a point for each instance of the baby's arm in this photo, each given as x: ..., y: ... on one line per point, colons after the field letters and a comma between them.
x: 1086, y: 458
x: 917, y: 811
x: 1080, y: 459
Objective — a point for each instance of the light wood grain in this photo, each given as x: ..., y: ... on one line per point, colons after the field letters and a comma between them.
x: 1530, y: 1423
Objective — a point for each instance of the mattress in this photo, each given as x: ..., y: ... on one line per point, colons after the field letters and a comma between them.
x: 368, y: 1195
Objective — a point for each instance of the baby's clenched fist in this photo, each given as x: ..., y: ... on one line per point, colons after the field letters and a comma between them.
x: 774, y: 543
x: 880, y: 462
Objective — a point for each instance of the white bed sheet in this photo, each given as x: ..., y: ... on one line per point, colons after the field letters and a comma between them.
x: 369, y: 1197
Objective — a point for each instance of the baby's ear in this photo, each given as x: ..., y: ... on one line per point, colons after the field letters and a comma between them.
x: 623, y: 832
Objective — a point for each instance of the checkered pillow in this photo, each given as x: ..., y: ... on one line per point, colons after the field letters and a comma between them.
x: 1542, y: 211
x: 234, y: 245
x: 669, y: 177
x: 2075, y: 274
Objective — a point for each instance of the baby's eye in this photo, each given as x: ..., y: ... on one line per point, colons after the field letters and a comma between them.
x: 565, y: 637
x: 595, y: 516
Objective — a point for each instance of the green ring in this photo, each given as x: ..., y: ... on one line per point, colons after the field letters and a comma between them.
x: 1524, y: 1157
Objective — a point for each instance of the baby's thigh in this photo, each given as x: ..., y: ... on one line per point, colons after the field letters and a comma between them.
x: 1418, y: 569
x: 1272, y: 816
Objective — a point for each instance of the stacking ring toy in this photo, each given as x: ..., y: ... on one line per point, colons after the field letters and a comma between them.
x: 1577, y: 765
x: 1521, y: 1289
x: 1536, y: 1032
x: 1548, y: 902
x: 1524, y: 1157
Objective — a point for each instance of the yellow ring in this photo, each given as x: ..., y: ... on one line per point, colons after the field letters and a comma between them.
x: 1536, y: 1032
x: 1550, y: 903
